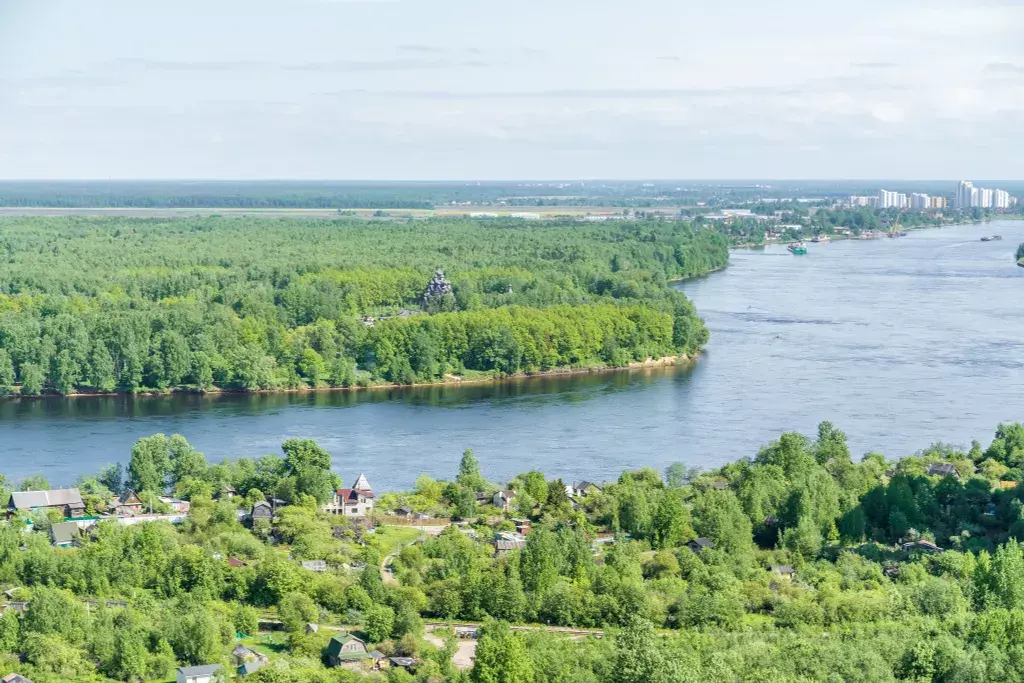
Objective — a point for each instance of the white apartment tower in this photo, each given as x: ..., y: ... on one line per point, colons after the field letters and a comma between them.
x: 891, y: 200
x: 965, y: 195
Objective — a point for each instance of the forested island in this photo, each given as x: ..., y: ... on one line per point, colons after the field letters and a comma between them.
x: 796, y: 565
x: 99, y: 305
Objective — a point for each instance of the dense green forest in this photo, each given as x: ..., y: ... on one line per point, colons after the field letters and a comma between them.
x: 796, y: 565
x: 119, y: 304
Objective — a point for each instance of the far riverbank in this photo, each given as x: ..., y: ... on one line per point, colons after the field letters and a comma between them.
x: 449, y: 381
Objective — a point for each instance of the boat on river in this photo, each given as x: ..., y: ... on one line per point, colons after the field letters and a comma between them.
x: 820, y: 239
x: 993, y: 238
x: 797, y: 248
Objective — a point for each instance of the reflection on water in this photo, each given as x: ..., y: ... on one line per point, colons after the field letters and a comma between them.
x: 900, y: 342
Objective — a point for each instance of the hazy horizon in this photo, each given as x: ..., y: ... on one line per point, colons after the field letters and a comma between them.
x: 443, y: 90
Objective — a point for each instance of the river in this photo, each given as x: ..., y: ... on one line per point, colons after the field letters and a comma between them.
x: 900, y: 342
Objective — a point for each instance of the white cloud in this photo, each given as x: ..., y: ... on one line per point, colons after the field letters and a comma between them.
x: 446, y: 88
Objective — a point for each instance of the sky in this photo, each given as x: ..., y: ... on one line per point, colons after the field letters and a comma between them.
x: 459, y: 89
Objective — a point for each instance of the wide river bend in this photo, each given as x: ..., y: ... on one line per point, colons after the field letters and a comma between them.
x: 900, y: 342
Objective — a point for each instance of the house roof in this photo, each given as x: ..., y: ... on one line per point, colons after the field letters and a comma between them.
x: 261, y: 504
x: 340, y: 640
x: 241, y: 651
x: 402, y: 661
x: 404, y: 509
x: 314, y: 565
x: 353, y: 494
x: 702, y: 543
x: 129, y: 497
x: 235, y: 562
x: 362, y: 484
x: 921, y: 545
x: 504, y: 544
x: 782, y: 569
x: 942, y: 468
x: 377, y: 654
x: 720, y: 485
x: 26, y: 500
x: 15, y: 678
x: 204, y: 670
x: 64, y: 532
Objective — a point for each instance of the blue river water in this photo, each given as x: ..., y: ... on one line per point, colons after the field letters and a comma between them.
x: 900, y: 342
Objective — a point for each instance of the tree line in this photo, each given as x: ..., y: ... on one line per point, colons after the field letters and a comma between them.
x: 811, y: 567
x: 126, y: 305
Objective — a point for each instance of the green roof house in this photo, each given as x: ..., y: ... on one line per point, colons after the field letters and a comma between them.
x: 345, y: 650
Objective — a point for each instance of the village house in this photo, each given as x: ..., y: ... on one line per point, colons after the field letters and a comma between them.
x: 66, y: 501
x: 699, y: 545
x: 241, y: 654
x: 314, y: 565
x: 352, y: 502
x: 380, y: 660
x: 197, y: 674
x: 506, y: 541
x: 347, y: 651
x: 64, y: 534
x: 226, y: 493
x: 924, y: 546
x: 582, y: 489
x: 175, y: 505
x: 943, y: 469
x: 503, y: 500
x: 523, y: 526
x: 403, y: 662
x: 261, y: 510
x: 15, y: 678
x: 128, y: 504
x: 783, y: 570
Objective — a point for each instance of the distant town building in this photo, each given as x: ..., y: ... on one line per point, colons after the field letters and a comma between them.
x: 920, y: 202
x: 968, y: 197
x: 965, y: 193
x: 891, y: 200
x: 1001, y: 199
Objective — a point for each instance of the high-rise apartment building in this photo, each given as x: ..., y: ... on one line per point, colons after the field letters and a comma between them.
x: 891, y: 200
x: 1001, y: 199
x: 920, y: 201
x: 965, y: 193
x: 986, y: 198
